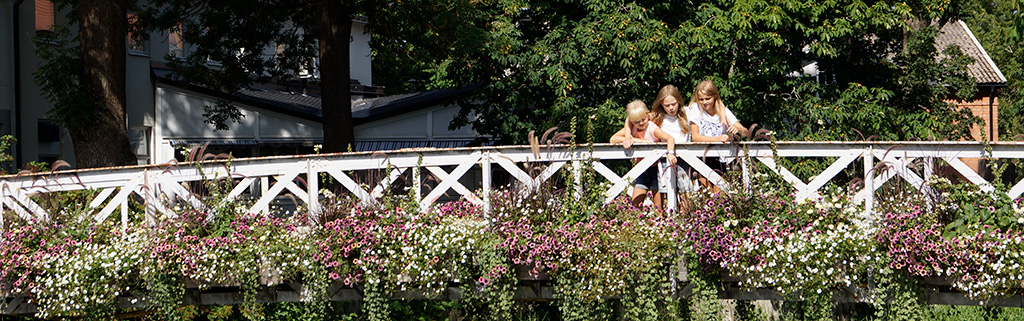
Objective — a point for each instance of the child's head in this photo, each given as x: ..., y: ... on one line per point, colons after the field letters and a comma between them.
x: 705, y: 95
x: 707, y: 89
x: 667, y: 103
x: 636, y: 113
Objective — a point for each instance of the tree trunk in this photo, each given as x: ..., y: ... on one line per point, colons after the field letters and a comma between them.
x: 334, y: 22
x: 104, y: 140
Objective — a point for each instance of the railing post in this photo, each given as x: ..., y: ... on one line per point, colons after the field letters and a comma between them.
x: 150, y: 210
x: 746, y: 170
x: 672, y: 194
x: 577, y: 177
x: 313, y: 193
x: 485, y: 180
x: 869, y: 180
x: 929, y: 170
x: 418, y: 187
x: 264, y: 187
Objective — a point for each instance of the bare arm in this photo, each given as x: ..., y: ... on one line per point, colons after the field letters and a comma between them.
x: 621, y: 136
x: 738, y: 129
x: 628, y: 140
x: 662, y: 135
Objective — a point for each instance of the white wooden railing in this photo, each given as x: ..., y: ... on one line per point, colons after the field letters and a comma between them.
x: 159, y: 184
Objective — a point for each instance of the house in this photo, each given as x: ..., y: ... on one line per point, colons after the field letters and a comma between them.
x: 165, y: 114
x: 985, y: 73
x: 281, y: 123
x: 989, y: 80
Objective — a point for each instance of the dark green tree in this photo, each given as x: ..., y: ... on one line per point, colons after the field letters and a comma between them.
x: 878, y: 70
x: 998, y: 24
x: 237, y: 34
x: 84, y: 78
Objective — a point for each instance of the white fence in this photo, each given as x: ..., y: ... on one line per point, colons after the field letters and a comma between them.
x: 266, y: 178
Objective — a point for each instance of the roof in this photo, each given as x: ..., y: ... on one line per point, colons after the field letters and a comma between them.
x: 983, y: 70
x: 308, y: 106
x: 367, y: 110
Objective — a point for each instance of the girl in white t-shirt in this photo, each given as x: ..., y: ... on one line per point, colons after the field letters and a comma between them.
x: 667, y: 114
x: 644, y: 131
x: 711, y: 121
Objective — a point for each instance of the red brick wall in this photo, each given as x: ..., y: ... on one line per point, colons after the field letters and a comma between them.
x: 980, y: 107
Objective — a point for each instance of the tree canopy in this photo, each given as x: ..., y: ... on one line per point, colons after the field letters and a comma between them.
x: 998, y: 25
x: 878, y: 72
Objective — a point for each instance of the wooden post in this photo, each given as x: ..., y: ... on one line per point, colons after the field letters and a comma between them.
x: 417, y: 185
x: 485, y: 180
x: 313, y: 192
x: 869, y: 180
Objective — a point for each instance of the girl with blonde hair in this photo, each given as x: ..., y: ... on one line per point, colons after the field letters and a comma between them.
x: 711, y: 121
x: 643, y: 130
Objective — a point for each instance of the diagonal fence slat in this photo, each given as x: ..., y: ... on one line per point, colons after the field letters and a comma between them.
x: 969, y: 173
x: 825, y: 176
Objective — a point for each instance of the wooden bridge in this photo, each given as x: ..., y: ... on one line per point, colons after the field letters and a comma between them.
x: 458, y: 172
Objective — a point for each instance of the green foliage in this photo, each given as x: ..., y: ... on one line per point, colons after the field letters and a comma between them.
x: 964, y: 313
x: 966, y: 209
x: 375, y: 302
x: 576, y: 308
x: 59, y: 78
x: 897, y: 297
x: 998, y: 25
x: 704, y: 303
x: 440, y: 52
x: 549, y: 61
x: 6, y: 159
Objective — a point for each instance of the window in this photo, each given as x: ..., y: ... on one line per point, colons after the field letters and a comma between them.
x: 45, y: 14
x: 137, y: 43
x: 175, y: 45
x: 139, y: 138
x: 48, y: 131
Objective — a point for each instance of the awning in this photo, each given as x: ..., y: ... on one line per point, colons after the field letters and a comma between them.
x: 369, y: 146
x: 241, y: 142
x: 360, y: 146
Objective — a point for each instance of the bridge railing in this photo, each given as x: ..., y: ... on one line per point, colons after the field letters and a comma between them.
x: 266, y: 178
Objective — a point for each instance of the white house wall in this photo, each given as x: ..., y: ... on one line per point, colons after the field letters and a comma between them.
x: 273, y: 126
x: 6, y: 69
x: 427, y: 124
x: 359, y: 54
x: 180, y: 117
x: 441, y: 117
x: 34, y: 105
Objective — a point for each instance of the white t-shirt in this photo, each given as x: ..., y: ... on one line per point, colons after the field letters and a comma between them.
x: 711, y: 126
x: 708, y: 125
x: 671, y: 126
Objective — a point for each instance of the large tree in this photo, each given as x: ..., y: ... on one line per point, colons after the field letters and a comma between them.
x: 86, y: 82
x: 878, y: 71
x: 236, y: 33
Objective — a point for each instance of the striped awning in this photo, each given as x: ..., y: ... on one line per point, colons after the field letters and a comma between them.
x: 200, y: 142
x: 370, y: 146
x: 242, y: 142
x: 361, y: 146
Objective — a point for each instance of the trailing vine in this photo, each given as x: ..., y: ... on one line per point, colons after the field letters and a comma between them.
x: 704, y: 304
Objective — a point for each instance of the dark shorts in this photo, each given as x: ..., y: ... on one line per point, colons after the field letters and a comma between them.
x: 716, y: 165
x: 648, y: 180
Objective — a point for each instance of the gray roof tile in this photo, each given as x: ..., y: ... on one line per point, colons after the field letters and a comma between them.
x: 984, y: 70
